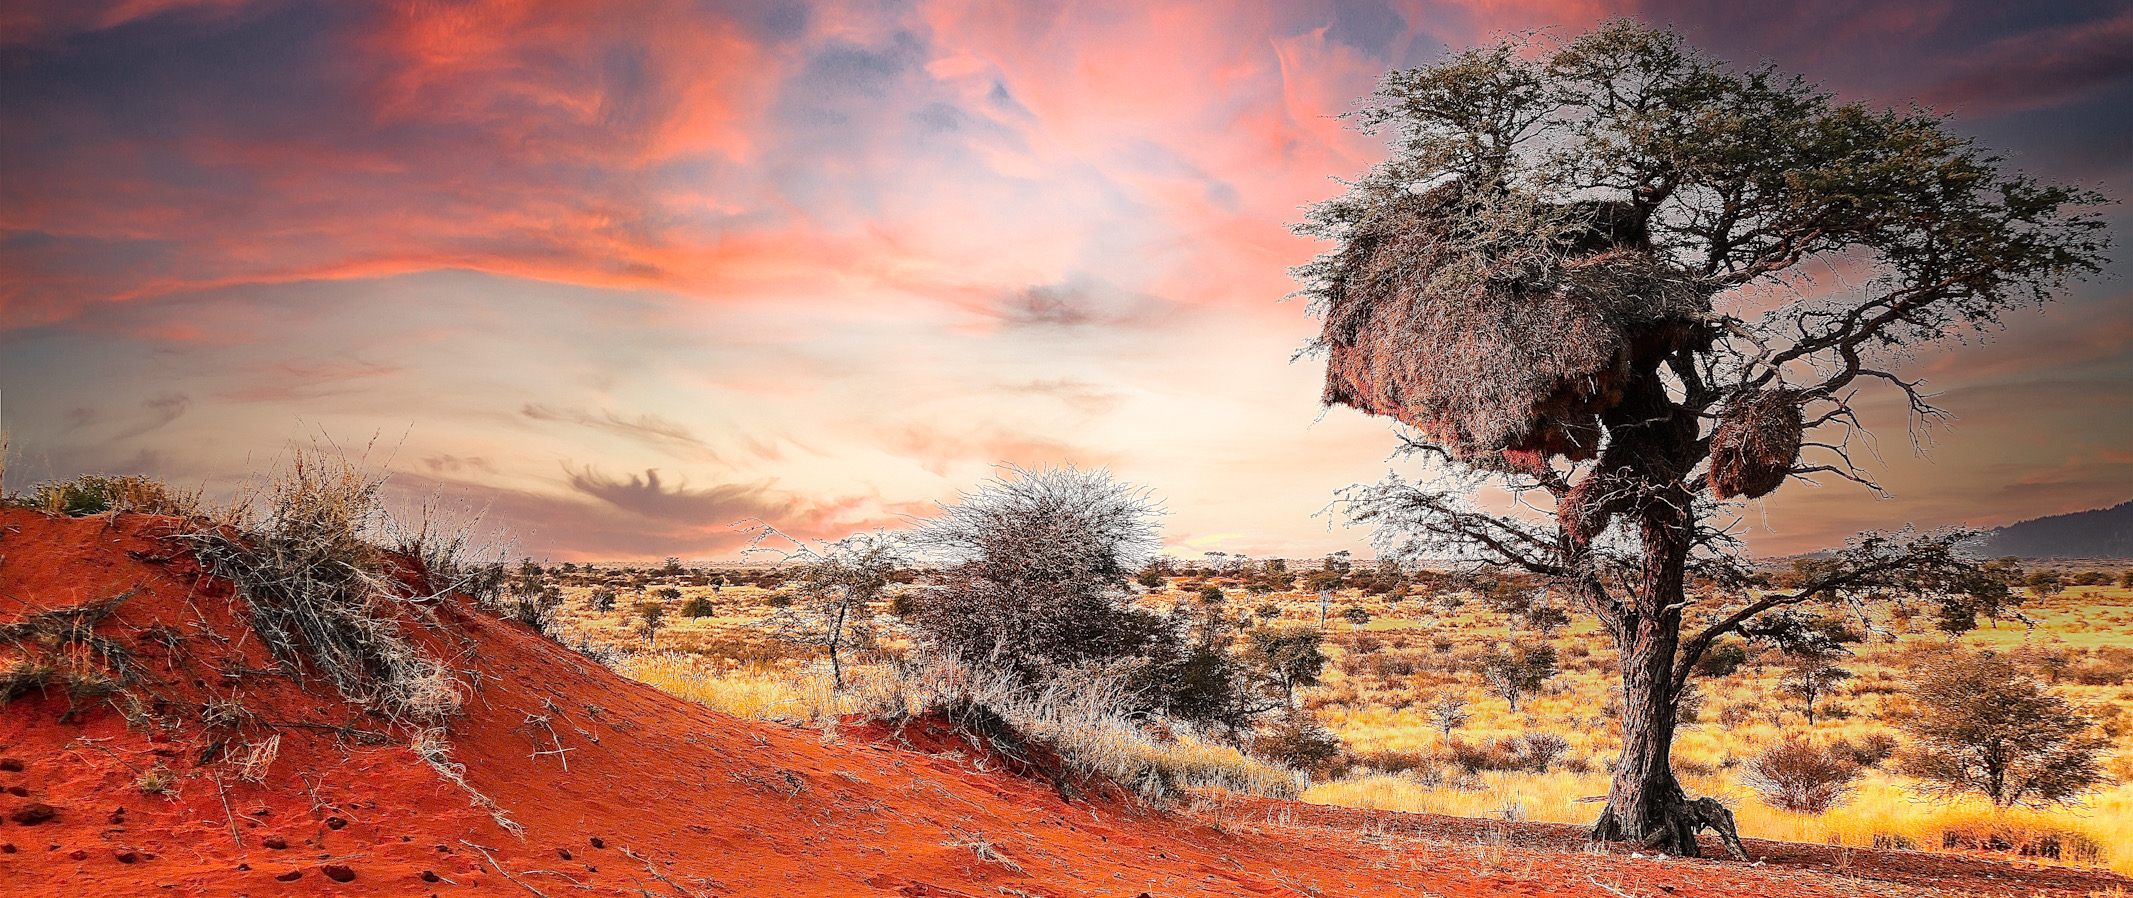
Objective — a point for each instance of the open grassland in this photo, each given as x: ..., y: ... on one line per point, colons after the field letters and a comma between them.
x: 1394, y: 658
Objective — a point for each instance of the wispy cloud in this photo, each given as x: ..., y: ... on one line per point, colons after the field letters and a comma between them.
x: 818, y: 262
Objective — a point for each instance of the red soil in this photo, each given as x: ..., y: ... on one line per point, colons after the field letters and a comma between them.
x: 621, y: 789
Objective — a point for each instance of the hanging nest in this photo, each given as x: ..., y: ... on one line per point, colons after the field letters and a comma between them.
x: 1504, y: 352
x: 1756, y: 444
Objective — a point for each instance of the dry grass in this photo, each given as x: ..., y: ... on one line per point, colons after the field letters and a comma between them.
x: 1384, y: 675
x: 306, y: 558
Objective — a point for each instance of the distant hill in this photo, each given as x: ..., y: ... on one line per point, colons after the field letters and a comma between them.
x: 2102, y: 533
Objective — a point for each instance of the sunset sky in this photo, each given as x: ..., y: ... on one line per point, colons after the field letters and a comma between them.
x: 625, y: 274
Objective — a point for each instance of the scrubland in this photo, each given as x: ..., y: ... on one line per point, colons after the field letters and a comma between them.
x: 1386, y: 674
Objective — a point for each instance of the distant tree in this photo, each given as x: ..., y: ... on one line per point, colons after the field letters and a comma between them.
x: 2093, y: 578
x: 652, y: 617
x: 1288, y: 657
x: 698, y: 606
x: 1356, y: 615
x: 1448, y: 712
x: 603, y: 599
x: 2125, y: 580
x: 841, y: 583
x: 2045, y: 583
x: 672, y: 568
x: 1324, y: 582
x: 1519, y: 670
x: 1982, y: 725
x: 1809, y: 675
x: 668, y: 593
x: 1269, y: 612
x: 1149, y: 578
x: 1571, y: 278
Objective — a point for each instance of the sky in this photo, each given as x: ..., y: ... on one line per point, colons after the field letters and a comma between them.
x: 623, y: 275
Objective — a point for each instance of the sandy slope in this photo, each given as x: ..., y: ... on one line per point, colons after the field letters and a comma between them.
x: 617, y: 789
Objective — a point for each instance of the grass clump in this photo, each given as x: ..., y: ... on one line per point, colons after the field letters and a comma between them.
x: 318, y: 588
x: 99, y: 493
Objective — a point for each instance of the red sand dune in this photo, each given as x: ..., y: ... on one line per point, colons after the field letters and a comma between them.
x: 622, y: 790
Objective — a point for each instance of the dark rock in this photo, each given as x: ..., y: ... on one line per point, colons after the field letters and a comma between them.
x: 7, y: 848
x: 34, y: 813
x: 275, y: 842
x: 429, y: 876
x: 291, y: 876
x: 338, y: 872
x: 597, y: 843
x: 79, y: 854
x: 11, y: 765
x: 18, y: 791
x: 335, y: 823
x: 126, y: 855
x: 563, y: 853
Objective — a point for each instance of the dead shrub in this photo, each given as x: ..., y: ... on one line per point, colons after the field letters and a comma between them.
x: 1531, y: 752
x: 1797, y: 775
x: 318, y: 589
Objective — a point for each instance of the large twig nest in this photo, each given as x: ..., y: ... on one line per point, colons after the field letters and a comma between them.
x: 1507, y: 351
x: 1756, y: 443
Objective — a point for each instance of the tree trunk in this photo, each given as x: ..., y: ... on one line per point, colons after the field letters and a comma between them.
x: 1644, y: 803
x: 836, y: 640
x: 1652, y: 449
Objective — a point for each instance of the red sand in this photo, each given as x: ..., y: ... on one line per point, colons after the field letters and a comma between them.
x: 623, y: 790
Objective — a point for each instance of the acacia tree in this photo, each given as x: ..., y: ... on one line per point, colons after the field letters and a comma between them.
x: 1983, y: 725
x: 840, y: 586
x: 1581, y: 276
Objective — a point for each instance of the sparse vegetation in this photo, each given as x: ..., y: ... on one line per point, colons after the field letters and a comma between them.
x: 306, y: 558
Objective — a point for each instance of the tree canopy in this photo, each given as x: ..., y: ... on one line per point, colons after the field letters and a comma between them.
x: 1643, y: 283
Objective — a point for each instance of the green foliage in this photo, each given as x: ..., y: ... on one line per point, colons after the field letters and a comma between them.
x: 1296, y: 739
x: 97, y: 493
x: 1722, y: 659
x: 698, y: 606
x: 1519, y: 670
x: 651, y: 618
x: 1288, y: 657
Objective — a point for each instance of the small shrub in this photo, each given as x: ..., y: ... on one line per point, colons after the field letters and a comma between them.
x: 1722, y: 660
x: 97, y: 493
x: 699, y: 606
x: 1869, y: 751
x: 1797, y: 775
x: 1894, y: 842
x: 1297, y: 740
x: 603, y: 599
